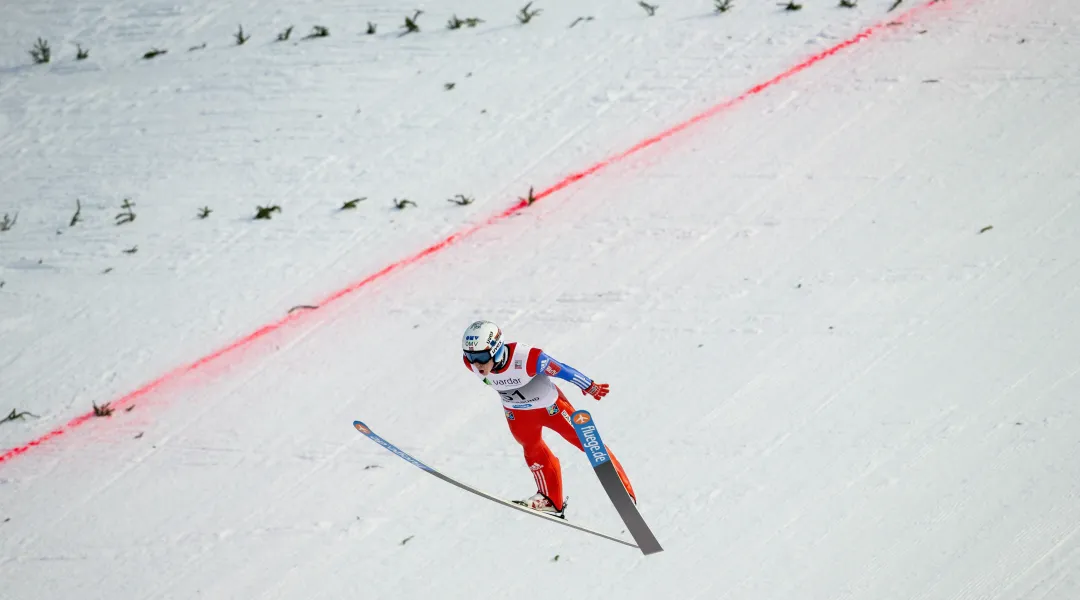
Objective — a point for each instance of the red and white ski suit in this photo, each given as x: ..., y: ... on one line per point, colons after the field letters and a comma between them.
x: 531, y: 402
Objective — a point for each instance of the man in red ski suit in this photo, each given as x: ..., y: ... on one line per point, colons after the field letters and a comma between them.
x: 522, y: 376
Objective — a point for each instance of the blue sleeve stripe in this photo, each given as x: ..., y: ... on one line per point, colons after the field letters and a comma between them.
x: 566, y: 372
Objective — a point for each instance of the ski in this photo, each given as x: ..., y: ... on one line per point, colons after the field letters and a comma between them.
x: 364, y: 429
x: 609, y: 478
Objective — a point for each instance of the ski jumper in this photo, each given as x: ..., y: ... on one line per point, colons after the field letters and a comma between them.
x: 532, y: 401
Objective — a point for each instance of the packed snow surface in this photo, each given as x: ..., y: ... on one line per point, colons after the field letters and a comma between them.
x: 839, y: 317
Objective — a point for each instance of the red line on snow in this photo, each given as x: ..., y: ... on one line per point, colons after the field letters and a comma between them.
x: 175, y: 374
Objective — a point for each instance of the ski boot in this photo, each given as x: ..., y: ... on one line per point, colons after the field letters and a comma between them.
x: 542, y: 503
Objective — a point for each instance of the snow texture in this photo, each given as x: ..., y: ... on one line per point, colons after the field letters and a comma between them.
x: 839, y: 318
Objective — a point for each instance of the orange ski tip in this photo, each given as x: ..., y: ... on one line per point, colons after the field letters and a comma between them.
x: 361, y: 427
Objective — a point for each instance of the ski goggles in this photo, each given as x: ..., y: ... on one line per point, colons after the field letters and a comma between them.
x: 479, y: 357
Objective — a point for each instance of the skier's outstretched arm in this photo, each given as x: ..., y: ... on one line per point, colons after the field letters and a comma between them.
x: 543, y: 363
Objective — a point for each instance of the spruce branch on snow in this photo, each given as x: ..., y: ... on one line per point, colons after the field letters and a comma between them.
x: 722, y: 6
x: 317, y: 31
x: 650, y: 9
x: 895, y: 5
x: 579, y: 20
x: 351, y: 204
x: 128, y: 215
x: 8, y: 222
x: 41, y: 53
x: 265, y: 212
x: 201, y: 46
x: 848, y: 3
x: 155, y: 52
x: 81, y: 53
x: 456, y: 23
x: 240, y: 37
x: 370, y: 28
x: 400, y: 204
x: 102, y: 411
x: 526, y: 14
x: 528, y: 200
x: 410, y: 25
x: 75, y: 218
x: 284, y: 35
x: 449, y: 86
x: 204, y: 212
x: 131, y: 250
x: 460, y: 200
x: 15, y: 414
x: 792, y: 6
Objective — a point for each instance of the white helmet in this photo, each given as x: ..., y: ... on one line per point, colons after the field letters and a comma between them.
x: 482, y: 342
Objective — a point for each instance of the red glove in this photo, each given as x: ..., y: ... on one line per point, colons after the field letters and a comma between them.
x: 596, y: 390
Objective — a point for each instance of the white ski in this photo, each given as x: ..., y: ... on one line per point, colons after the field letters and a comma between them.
x: 364, y: 429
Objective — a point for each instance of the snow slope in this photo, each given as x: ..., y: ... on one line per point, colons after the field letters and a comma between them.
x: 838, y: 318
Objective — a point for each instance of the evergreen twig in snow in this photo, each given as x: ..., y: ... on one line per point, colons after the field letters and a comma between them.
x: 15, y: 414
x: 528, y: 200
x: 410, y: 25
x: 41, y: 53
x: 265, y: 212
x: 525, y: 14
x: 128, y: 215
x: 456, y: 23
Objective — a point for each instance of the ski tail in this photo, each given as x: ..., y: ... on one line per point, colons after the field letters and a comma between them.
x: 605, y: 471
